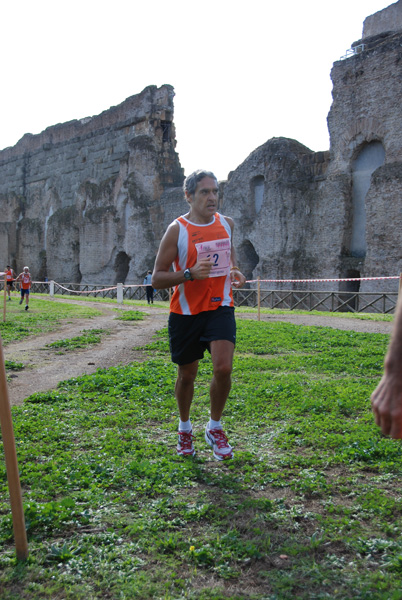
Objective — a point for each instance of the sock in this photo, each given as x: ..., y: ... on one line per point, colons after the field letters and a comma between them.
x: 214, y: 424
x: 185, y: 425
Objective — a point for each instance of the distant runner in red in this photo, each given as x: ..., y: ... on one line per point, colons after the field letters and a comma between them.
x: 199, y: 245
x: 25, y: 281
x: 10, y: 277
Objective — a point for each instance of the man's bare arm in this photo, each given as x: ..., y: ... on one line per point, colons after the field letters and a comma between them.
x: 163, y: 277
x: 236, y: 276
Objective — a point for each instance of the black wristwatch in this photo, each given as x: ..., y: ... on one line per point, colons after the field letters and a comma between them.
x: 187, y: 275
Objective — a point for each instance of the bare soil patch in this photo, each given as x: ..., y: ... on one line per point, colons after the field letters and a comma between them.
x: 45, y: 368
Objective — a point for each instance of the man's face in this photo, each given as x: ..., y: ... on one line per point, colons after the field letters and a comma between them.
x: 204, y: 201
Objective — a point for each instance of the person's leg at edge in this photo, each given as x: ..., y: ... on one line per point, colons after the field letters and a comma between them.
x: 184, y: 391
x: 26, y: 300
x: 222, y: 360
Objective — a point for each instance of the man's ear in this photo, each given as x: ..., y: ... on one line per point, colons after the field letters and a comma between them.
x: 188, y: 197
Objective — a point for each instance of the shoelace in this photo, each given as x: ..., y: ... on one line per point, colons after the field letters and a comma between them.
x: 220, y: 438
x: 185, y: 439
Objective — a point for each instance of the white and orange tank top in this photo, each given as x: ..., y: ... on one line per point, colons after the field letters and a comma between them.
x: 25, y: 281
x: 195, y: 240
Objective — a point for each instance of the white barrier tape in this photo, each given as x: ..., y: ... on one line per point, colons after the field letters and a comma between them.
x: 85, y: 291
x: 97, y: 290
x: 319, y: 280
x: 248, y: 281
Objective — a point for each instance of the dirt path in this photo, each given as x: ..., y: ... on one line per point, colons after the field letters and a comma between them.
x: 45, y: 368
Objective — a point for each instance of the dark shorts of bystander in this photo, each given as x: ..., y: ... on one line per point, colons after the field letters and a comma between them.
x: 190, y: 335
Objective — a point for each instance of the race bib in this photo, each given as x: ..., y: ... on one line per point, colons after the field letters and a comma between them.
x: 217, y: 251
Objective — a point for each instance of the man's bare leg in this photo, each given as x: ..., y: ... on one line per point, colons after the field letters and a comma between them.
x: 222, y: 359
x: 184, y: 388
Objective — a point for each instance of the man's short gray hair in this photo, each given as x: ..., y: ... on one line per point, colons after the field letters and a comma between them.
x: 190, y: 182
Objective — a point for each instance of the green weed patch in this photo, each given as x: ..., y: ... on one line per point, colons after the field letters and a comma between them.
x: 43, y: 316
x: 130, y: 315
x: 87, y: 338
x: 309, y: 508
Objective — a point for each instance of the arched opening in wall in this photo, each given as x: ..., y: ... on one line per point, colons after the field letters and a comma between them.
x: 42, y: 271
x: 166, y: 131
x: 370, y: 157
x: 350, y: 288
x: 121, y: 267
x: 248, y: 259
x: 257, y: 187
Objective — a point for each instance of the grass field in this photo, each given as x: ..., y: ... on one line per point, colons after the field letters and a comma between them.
x: 310, y: 507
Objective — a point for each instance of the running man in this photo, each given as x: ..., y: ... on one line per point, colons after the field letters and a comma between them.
x: 10, y: 277
x: 199, y: 244
x: 25, y: 281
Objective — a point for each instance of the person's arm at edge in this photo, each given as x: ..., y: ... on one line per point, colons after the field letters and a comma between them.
x: 386, y: 400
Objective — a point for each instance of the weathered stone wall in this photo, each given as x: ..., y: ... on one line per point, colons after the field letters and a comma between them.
x: 275, y: 200
x: 387, y: 20
x: 81, y: 200
x: 308, y: 213
x: 366, y: 110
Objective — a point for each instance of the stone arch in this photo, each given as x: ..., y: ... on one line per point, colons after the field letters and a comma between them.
x: 248, y: 258
x: 369, y: 157
x: 365, y: 130
x: 350, y: 288
x: 121, y: 267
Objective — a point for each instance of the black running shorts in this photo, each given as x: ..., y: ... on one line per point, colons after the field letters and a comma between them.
x: 190, y: 335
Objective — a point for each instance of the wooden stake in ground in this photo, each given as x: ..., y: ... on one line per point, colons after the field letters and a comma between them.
x: 5, y: 296
x: 13, y: 478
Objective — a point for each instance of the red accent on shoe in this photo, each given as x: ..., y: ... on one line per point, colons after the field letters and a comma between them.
x: 185, y: 444
x: 217, y: 439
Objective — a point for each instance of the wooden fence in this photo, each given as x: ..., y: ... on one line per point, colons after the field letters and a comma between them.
x: 326, y: 301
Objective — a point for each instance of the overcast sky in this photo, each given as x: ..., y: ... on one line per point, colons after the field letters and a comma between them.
x: 244, y: 71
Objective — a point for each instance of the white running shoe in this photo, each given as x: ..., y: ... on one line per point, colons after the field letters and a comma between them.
x: 217, y: 439
x: 185, y: 445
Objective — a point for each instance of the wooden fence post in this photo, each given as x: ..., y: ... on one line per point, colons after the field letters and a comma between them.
x: 5, y: 297
x: 259, y: 298
x: 13, y: 478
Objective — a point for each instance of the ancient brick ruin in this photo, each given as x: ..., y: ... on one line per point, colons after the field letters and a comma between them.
x: 332, y: 214
x: 85, y: 201
x: 88, y: 201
